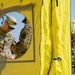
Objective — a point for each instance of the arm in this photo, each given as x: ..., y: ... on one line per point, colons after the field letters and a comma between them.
x: 24, y: 41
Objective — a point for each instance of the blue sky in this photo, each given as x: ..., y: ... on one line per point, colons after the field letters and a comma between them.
x: 72, y: 9
x: 19, y: 26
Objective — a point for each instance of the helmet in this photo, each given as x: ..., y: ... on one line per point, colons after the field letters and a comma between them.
x: 11, y: 21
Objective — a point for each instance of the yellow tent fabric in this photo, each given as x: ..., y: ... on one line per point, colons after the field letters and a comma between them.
x: 60, y: 50
x: 46, y: 51
x: 61, y: 38
x: 55, y: 37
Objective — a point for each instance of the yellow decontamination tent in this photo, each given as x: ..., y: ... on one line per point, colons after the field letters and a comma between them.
x: 49, y: 52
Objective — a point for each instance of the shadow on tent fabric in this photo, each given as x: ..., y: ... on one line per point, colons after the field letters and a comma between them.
x: 2, y: 63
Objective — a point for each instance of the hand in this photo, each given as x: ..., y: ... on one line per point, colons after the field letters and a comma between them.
x: 3, y: 54
x: 13, y: 56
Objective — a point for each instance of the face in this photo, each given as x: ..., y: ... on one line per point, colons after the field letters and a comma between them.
x: 6, y: 27
x: 27, y: 22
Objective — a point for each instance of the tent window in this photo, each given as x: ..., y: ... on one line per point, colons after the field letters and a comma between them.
x: 23, y: 9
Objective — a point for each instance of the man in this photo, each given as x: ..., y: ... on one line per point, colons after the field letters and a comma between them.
x: 24, y: 40
x: 27, y: 31
x: 6, y: 39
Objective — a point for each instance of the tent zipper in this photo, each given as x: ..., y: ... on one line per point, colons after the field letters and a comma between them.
x: 56, y: 2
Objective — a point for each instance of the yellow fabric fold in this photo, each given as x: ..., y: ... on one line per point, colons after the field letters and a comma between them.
x: 61, y: 38
x: 46, y: 51
x: 59, y: 45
